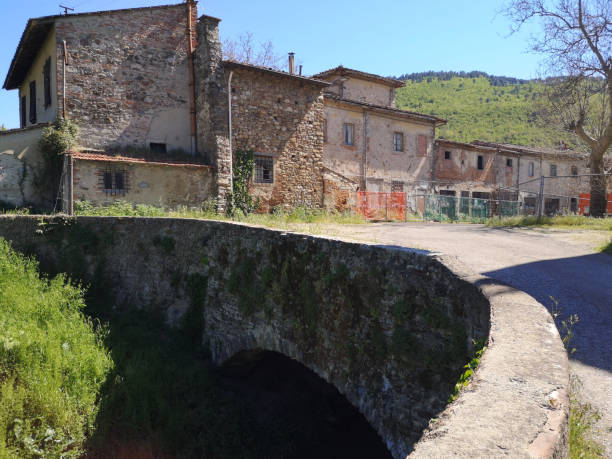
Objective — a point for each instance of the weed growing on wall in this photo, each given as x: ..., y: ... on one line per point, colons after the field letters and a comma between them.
x: 470, y: 367
x: 240, y: 199
x: 56, y: 140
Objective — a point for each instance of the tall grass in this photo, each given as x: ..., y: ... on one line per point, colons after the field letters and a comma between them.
x: 561, y: 221
x: 277, y: 219
x: 52, y: 362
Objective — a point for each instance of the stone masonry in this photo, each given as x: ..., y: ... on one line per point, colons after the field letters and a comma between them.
x: 280, y: 116
x: 127, y: 76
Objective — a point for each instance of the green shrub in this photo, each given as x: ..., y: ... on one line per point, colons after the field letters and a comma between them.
x: 58, y: 138
x: 52, y: 362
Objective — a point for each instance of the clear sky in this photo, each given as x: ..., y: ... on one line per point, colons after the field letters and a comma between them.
x: 387, y: 37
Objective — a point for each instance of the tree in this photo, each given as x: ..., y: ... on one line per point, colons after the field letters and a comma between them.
x: 246, y: 50
x: 576, y: 39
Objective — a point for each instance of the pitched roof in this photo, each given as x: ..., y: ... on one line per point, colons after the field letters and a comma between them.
x: 36, y: 32
x: 534, y: 151
x: 387, y: 110
x: 275, y: 72
x: 343, y: 71
x: 154, y: 161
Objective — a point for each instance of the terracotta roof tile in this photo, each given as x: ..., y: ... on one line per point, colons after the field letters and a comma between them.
x: 106, y: 157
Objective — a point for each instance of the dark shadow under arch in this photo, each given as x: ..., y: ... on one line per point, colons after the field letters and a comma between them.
x: 296, y: 413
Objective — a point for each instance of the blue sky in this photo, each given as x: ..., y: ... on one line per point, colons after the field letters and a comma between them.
x: 388, y: 37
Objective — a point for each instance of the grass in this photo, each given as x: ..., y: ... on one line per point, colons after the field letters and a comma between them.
x: 52, y: 362
x: 561, y: 221
x: 278, y: 219
x: 583, y: 418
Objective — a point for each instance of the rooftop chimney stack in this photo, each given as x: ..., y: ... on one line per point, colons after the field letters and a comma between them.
x: 292, y: 63
x: 300, y: 69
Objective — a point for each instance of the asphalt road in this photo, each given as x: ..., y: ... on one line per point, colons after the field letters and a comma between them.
x: 545, y: 264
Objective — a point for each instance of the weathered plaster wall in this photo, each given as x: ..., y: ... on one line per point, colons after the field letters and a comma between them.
x: 43, y: 114
x: 127, y: 80
x: 21, y: 166
x: 384, y: 165
x: 390, y: 328
x: 370, y: 92
x: 158, y: 185
x: 280, y: 116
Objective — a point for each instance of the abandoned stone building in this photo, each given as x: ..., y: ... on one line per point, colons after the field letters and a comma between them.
x: 161, y: 116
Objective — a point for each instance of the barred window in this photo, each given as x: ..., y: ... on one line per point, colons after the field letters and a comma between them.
x: 397, y: 186
x: 264, y: 169
x: 574, y: 170
x: 115, y: 181
x: 349, y: 134
x: 553, y: 170
x: 398, y: 141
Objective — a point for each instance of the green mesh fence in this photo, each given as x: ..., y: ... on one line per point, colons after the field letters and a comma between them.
x: 451, y: 208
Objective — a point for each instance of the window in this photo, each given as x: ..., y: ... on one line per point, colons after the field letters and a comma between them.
x: 264, y: 169
x: 530, y: 170
x: 324, y: 131
x: 24, y: 117
x: 47, y: 81
x: 397, y: 186
x: 480, y: 162
x: 114, y: 181
x: 553, y: 170
x: 422, y: 145
x: 447, y: 155
x: 574, y: 170
x: 349, y: 131
x: 448, y: 193
x: 158, y: 147
x: 33, y: 102
x: 509, y: 162
x: 398, y: 141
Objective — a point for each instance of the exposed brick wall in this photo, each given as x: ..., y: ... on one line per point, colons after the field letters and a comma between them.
x: 283, y: 117
x: 127, y: 81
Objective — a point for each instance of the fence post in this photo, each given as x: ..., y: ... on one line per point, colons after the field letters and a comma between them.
x: 499, y: 211
x: 541, y: 198
x: 386, y: 207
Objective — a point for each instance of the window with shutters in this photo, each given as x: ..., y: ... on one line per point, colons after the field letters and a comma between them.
x: 33, y: 102
x: 349, y: 134
x: 422, y: 145
x: 398, y: 141
x: 24, y: 114
x: 47, y: 82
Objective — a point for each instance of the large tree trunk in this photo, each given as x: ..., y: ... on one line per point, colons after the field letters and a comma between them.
x: 599, y: 196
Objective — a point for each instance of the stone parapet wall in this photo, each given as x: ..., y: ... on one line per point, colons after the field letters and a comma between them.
x: 127, y: 80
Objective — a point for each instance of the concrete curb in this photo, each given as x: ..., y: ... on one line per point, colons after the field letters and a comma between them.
x: 517, y: 404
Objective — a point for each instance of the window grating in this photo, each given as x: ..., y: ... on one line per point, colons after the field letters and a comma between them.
x: 398, y: 141
x: 114, y: 181
x: 264, y: 169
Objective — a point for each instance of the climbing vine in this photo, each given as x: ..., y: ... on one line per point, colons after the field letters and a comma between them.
x: 55, y: 141
x: 240, y: 200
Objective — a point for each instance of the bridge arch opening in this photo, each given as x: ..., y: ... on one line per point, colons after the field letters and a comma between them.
x: 295, y: 412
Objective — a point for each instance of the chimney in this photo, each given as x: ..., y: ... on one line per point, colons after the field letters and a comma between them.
x: 300, y: 69
x: 292, y: 63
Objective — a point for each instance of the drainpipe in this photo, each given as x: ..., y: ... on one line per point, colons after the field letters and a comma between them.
x: 65, y: 62
x: 229, y: 120
x: 71, y: 184
x: 365, y: 150
x: 192, y: 94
